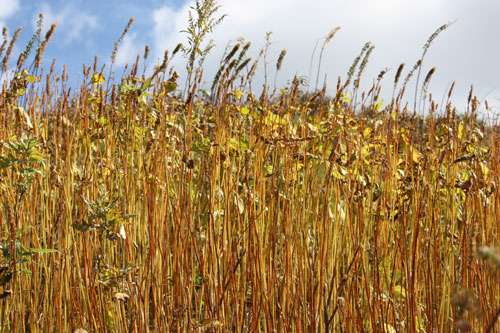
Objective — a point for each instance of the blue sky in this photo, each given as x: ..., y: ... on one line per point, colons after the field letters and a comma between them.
x: 467, y: 52
x: 85, y: 28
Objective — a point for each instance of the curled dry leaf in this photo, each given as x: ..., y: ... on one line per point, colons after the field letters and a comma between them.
x: 210, y: 323
x: 121, y: 297
x: 80, y: 330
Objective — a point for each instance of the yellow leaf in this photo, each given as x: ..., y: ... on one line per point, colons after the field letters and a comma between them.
x: 111, y: 319
x: 484, y: 169
x: 378, y: 105
x: 415, y: 155
x: 98, y: 79
x: 461, y: 130
x: 268, y: 170
x: 237, y: 94
x: 367, y: 133
x: 464, y: 175
x: 244, y: 110
x: 393, y: 116
x: 365, y: 151
x: 419, y: 324
x: 338, y: 172
x: 36, y: 157
x: 405, y: 135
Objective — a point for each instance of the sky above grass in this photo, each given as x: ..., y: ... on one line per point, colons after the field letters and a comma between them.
x: 466, y: 53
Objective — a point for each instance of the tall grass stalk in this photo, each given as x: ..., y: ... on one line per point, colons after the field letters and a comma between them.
x: 326, y: 40
x: 421, y: 60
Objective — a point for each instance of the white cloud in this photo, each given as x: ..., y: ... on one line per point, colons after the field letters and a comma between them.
x: 167, y: 25
x: 9, y: 7
x: 80, y: 22
x: 71, y: 21
x: 128, y: 50
x: 398, y: 29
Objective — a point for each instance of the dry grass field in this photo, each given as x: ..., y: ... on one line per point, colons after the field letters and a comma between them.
x: 135, y: 204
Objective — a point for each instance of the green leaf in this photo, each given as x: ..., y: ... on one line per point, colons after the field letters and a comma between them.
x: 419, y: 324
x: 23, y: 260
x: 268, y: 170
x: 36, y: 157
x: 399, y: 292
x: 201, y: 146
x: 26, y: 271
x: 171, y: 86
x: 5, y: 162
x: 147, y: 83
x: 21, y: 230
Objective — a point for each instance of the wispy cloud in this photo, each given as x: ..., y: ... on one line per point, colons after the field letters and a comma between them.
x: 167, y: 24
x: 128, y: 50
x: 9, y: 7
x: 71, y: 21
